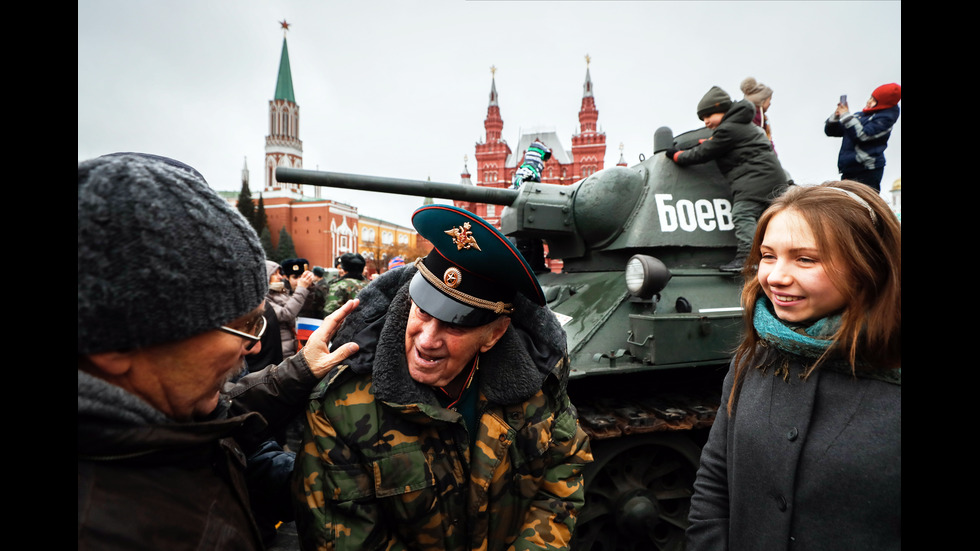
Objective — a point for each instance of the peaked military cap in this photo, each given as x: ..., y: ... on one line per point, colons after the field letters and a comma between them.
x: 295, y: 266
x: 473, y: 272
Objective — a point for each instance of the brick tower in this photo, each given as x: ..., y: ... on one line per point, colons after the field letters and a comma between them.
x: 588, y: 146
x: 283, y: 146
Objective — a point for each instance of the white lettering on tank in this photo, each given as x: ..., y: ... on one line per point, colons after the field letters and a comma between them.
x: 723, y: 207
x: 706, y: 214
x: 667, y: 213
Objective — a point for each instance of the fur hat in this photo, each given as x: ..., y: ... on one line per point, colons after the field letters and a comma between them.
x: 294, y: 266
x: 715, y: 101
x: 161, y: 256
x: 352, y: 263
x: 755, y: 92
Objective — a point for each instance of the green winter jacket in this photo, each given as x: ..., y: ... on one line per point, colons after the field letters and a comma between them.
x: 383, y: 466
x: 744, y: 155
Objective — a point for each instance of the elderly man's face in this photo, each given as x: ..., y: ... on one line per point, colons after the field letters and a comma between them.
x: 183, y: 379
x: 437, y: 351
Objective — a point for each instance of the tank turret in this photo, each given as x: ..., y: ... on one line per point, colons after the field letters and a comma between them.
x: 651, y: 321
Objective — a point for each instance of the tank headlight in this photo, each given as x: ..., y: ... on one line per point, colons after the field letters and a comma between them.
x: 646, y: 276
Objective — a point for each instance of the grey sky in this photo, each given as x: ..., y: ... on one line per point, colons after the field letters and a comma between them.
x: 400, y: 88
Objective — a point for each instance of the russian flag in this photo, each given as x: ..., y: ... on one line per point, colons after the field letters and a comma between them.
x: 305, y: 327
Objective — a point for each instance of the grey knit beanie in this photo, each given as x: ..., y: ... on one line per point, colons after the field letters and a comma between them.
x: 161, y: 256
x: 715, y: 101
x: 754, y: 91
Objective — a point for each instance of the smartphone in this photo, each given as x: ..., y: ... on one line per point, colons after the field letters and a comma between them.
x: 843, y: 99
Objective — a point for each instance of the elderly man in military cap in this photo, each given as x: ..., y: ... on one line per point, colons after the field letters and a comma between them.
x: 171, y: 295
x: 451, y: 427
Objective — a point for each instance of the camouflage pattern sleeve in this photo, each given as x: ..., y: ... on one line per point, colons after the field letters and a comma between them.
x: 550, y: 519
x: 340, y: 292
x: 333, y: 490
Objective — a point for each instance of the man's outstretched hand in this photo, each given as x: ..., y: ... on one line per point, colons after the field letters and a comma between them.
x: 317, y: 352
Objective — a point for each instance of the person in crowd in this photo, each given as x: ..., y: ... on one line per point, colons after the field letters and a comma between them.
x: 350, y: 281
x: 315, y: 299
x: 171, y: 290
x: 396, y: 262
x: 270, y: 350
x: 530, y: 171
x: 806, y: 450
x: 451, y: 428
x: 744, y: 156
x: 865, y: 135
x: 287, y: 300
x: 761, y: 96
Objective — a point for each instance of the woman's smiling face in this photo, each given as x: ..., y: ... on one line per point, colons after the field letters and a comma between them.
x: 793, y: 271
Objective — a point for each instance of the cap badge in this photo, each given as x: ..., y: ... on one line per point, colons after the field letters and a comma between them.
x: 452, y: 278
x: 463, y: 237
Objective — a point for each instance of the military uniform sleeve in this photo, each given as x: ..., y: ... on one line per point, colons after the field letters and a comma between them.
x: 709, y: 514
x: 551, y: 518
x: 334, y: 492
x: 336, y: 297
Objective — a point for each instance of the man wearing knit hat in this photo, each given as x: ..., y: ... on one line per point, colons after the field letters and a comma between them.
x: 744, y: 156
x: 171, y: 289
x: 451, y: 427
x: 865, y: 135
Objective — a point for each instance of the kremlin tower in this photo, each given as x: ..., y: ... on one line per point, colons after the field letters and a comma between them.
x: 320, y: 229
x: 283, y: 146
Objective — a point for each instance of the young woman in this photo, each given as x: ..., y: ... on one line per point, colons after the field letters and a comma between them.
x: 806, y: 450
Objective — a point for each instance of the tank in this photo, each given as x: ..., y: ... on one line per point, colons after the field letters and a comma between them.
x: 651, y: 321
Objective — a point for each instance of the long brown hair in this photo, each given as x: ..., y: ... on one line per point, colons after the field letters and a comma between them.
x: 861, y: 242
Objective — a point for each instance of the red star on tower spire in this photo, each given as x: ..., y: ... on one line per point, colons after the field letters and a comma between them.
x: 285, y: 26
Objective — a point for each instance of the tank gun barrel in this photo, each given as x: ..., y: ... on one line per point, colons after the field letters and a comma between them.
x: 401, y: 186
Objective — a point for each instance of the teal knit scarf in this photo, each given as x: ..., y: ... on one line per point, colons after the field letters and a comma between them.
x: 810, y: 342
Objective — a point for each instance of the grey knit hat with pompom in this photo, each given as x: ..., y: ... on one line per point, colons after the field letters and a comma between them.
x: 754, y: 91
x: 161, y: 256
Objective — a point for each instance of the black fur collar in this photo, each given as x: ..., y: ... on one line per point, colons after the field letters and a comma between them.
x: 512, y: 371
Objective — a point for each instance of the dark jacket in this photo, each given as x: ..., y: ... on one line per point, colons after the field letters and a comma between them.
x: 271, y: 353
x: 744, y: 155
x: 147, y: 482
x: 865, y: 136
x: 803, y: 465
x: 387, y: 466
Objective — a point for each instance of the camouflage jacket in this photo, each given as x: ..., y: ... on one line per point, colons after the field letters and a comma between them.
x: 339, y: 291
x: 383, y: 466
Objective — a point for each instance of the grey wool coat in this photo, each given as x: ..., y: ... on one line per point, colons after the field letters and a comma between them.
x: 802, y: 465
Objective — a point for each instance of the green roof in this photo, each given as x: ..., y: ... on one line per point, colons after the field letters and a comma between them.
x: 284, y: 84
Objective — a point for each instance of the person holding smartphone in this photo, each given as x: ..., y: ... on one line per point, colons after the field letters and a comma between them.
x: 865, y: 134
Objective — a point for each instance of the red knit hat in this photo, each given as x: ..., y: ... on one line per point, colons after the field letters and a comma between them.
x: 887, y: 95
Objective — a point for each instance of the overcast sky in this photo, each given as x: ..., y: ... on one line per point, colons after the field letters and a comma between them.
x: 401, y: 88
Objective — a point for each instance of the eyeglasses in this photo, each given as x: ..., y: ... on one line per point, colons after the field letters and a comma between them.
x: 253, y: 331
